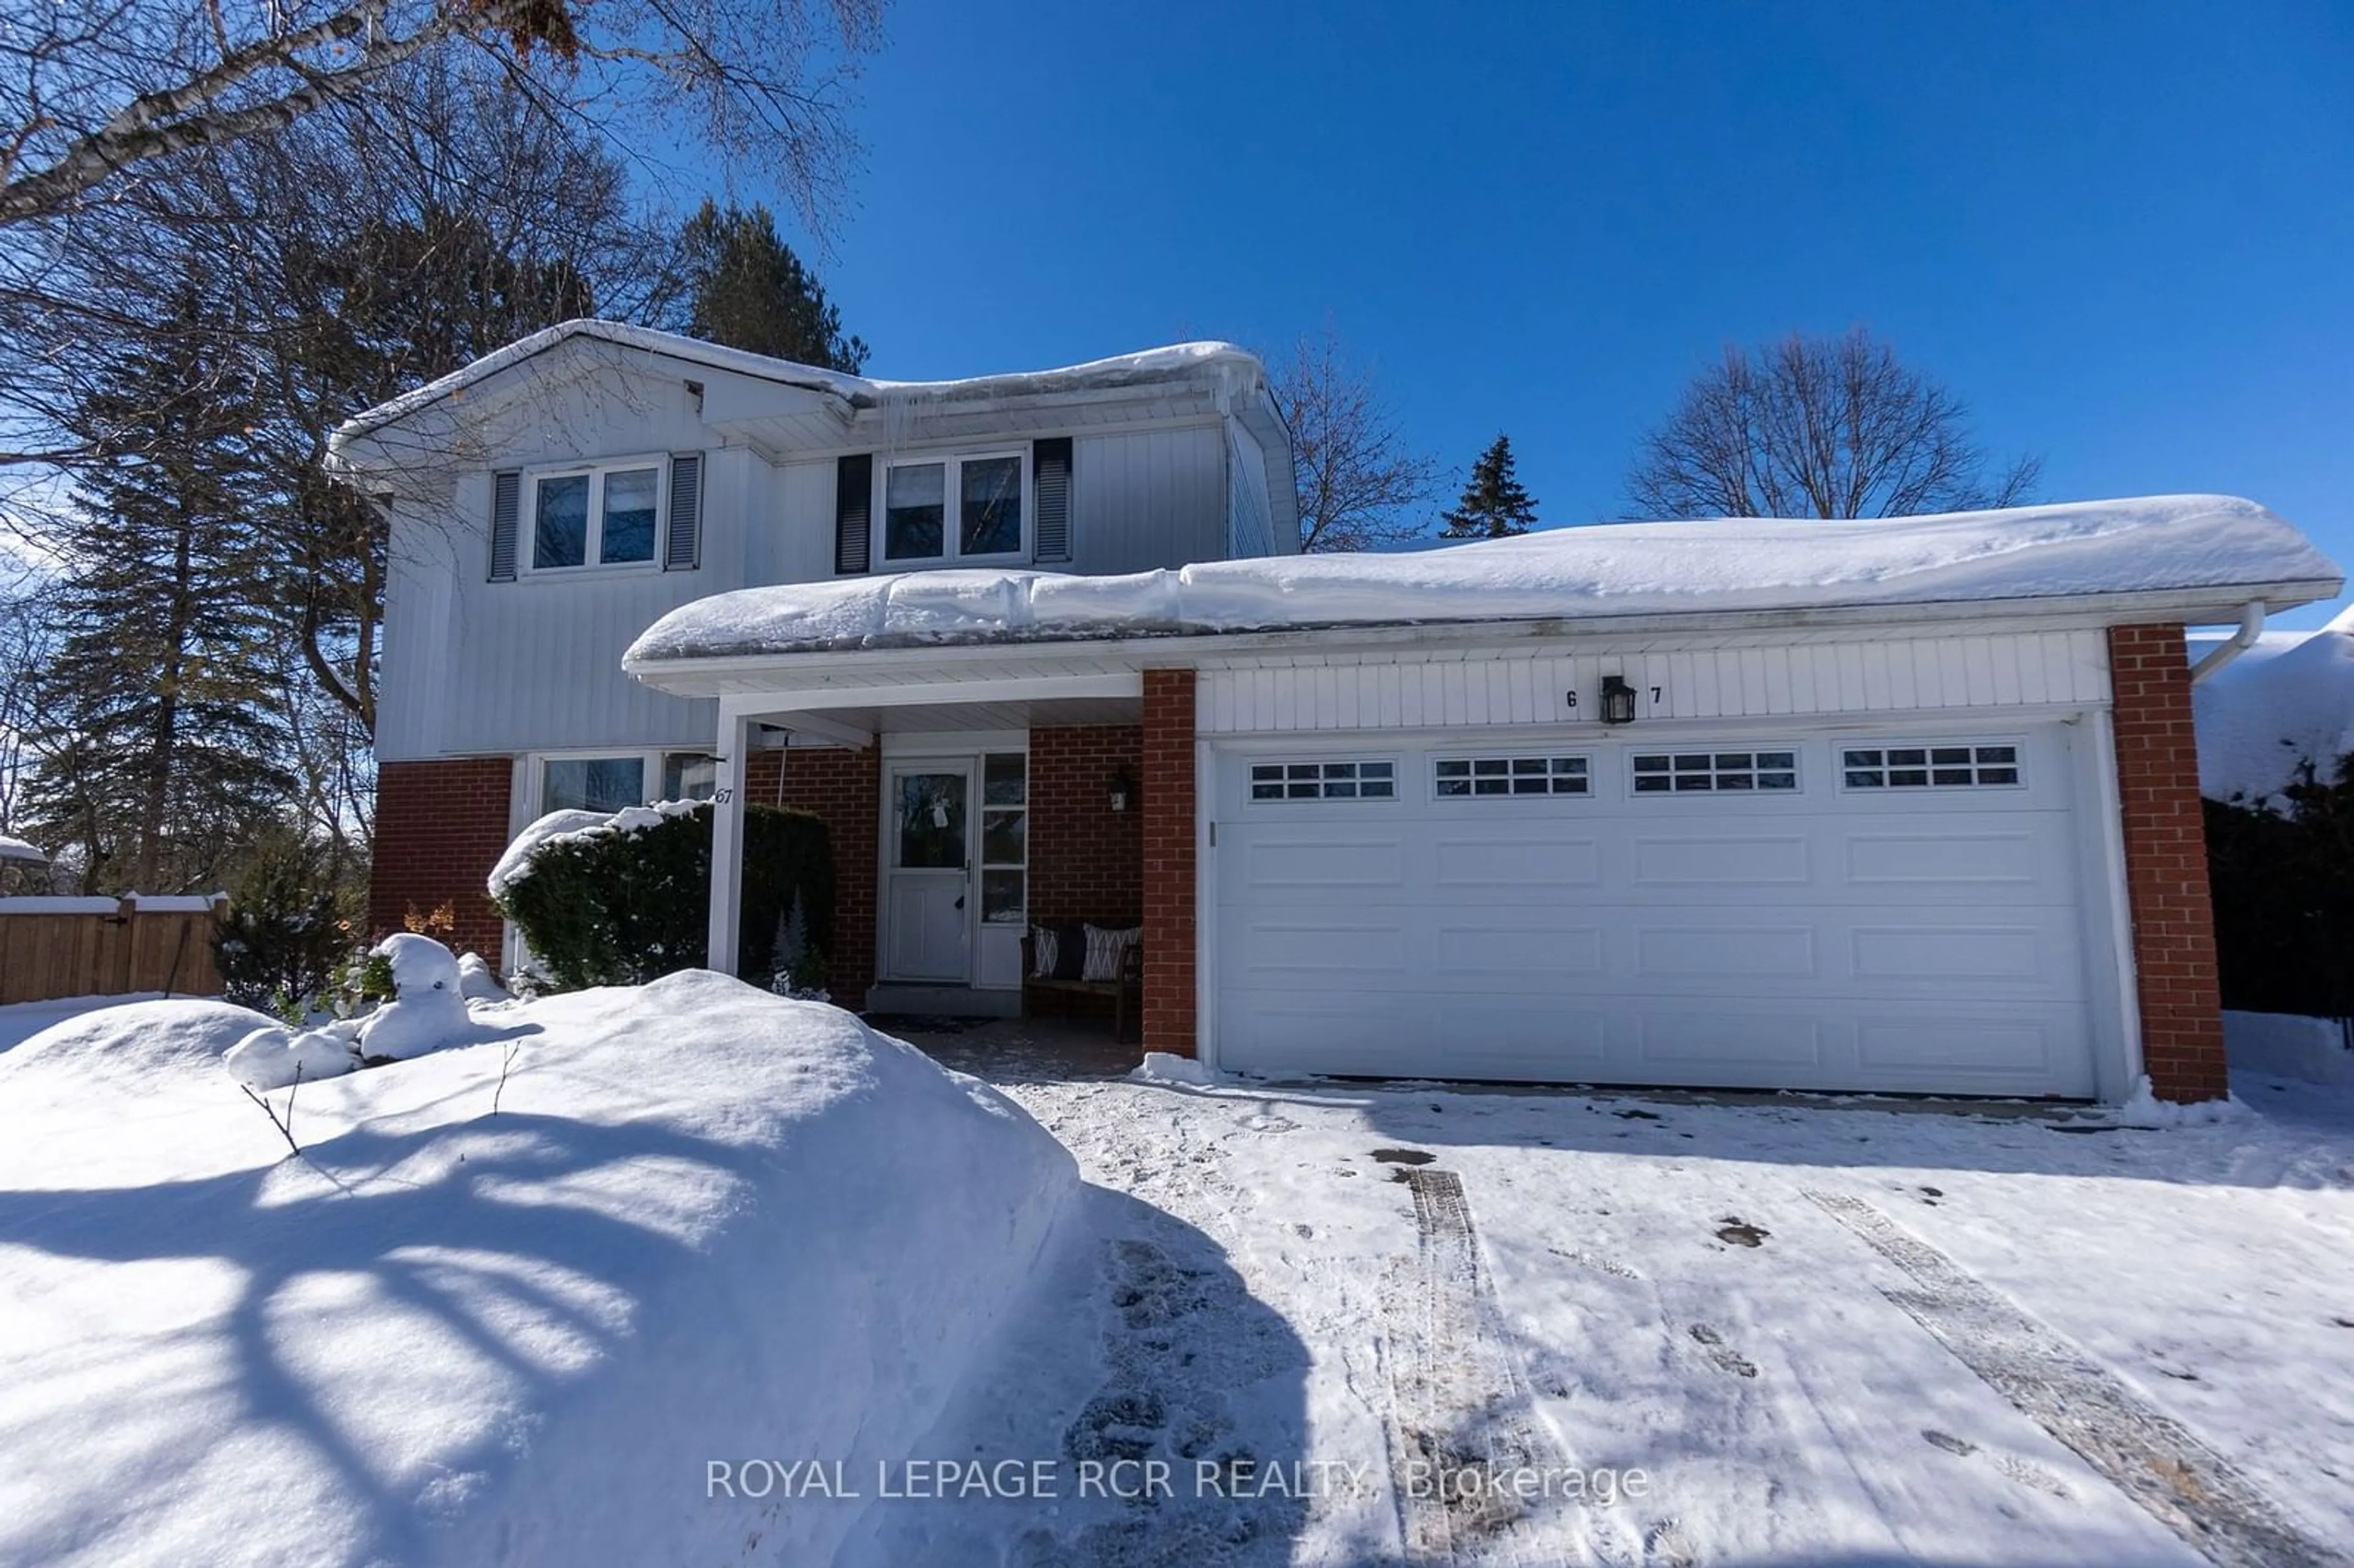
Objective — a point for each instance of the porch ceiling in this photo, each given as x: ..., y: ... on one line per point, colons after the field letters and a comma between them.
x: 846, y: 724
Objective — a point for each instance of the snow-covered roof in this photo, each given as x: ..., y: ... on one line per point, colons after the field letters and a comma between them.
x: 1175, y: 362
x: 2286, y: 701
x: 18, y: 849
x: 2159, y: 545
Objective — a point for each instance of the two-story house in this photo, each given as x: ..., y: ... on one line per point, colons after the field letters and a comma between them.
x: 1907, y: 806
x: 552, y: 499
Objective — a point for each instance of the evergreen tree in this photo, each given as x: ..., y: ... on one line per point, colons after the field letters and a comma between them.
x: 155, y: 757
x: 1494, y: 506
x: 748, y: 289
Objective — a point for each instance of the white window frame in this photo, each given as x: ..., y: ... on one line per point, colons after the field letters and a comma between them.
x: 1549, y: 758
x: 951, y: 465
x: 650, y: 769
x: 2018, y: 765
x: 592, y: 547
x: 1252, y: 798
x: 1794, y: 751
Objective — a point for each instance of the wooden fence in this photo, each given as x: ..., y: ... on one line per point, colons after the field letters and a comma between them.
x: 52, y: 947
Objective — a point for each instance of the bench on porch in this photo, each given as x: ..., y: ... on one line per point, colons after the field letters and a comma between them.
x: 1125, y: 992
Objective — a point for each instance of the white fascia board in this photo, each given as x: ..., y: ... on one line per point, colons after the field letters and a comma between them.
x: 936, y: 667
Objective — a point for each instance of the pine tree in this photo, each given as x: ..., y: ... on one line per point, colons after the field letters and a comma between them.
x: 748, y: 289
x: 1494, y: 506
x: 156, y: 757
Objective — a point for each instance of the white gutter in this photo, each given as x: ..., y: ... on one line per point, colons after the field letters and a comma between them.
x: 2251, y: 624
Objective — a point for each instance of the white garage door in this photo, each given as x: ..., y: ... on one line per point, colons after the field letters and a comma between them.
x: 1862, y: 911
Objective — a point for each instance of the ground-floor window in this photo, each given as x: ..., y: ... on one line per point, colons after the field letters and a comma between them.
x: 1004, y: 837
x: 589, y: 783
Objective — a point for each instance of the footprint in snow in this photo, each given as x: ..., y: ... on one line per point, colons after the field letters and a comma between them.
x: 1740, y: 1232
x: 1610, y: 1265
x: 2010, y: 1466
x: 1668, y: 1544
x: 1724, y: 1357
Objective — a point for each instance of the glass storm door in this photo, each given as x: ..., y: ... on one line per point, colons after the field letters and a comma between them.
x: 930, y: 873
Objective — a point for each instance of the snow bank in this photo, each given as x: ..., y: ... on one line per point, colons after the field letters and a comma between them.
x: 2143, y: 1108
x: 277, y: 1057
x: 1165, y: 1067
x: 705, y: 1223
x: 2288, y: 701
x: 2285, y: 1045
x: 2156, y: 544
x: 111, y: 1044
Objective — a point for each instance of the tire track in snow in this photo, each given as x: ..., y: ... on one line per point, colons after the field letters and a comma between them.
x: 1461, y: 1412
x: 2151, y: 1457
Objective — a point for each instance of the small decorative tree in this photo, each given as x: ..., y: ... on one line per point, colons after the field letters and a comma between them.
x: 1494, y: 505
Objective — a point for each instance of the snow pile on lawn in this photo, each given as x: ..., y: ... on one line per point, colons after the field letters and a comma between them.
x: 2288, y: 1045
x: 513, y: 1298
x: 570, y: 826
x: 2286, y: 701
x: 121, y: 1046
x: 2156, y: 544
x: 427, y: 1012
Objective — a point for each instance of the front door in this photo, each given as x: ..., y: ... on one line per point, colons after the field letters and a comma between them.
x: 930, y: 873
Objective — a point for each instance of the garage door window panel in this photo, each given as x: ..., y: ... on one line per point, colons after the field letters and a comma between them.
x: 1714, y: 772
x: 1928, y: 767
x: 1508, y: 778
x: 1353, y: 779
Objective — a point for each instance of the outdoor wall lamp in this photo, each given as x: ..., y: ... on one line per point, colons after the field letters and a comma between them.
x: 1617, y: 699
x: 1125, y: 791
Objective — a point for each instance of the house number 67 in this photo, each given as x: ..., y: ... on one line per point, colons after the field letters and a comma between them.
x: 722, y: 797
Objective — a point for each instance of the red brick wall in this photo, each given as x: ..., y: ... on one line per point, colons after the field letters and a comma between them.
x: 1086, y: 861
x: 440, y: 828
x: 2166, y: 863
x: 843, y: 787
x: 1169, y: 793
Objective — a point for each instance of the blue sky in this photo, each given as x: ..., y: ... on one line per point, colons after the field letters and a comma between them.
x: 2124, y: 233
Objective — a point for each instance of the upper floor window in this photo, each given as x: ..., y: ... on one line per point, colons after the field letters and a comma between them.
x: 954, y: 509
x: 603, y: 517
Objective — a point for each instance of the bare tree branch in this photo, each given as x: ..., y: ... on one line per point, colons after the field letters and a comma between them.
x: 1819, y: 428
x: 1359, y: 486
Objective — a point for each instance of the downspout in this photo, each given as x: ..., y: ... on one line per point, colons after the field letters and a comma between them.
x: 2252, y: 623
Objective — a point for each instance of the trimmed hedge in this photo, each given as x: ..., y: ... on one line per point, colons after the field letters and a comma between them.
x: 2283, y: 892
x: 624, y: 907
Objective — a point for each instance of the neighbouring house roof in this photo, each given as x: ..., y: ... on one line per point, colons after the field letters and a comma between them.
x: 2286, y: 702
x: 1174, y: 363
x: 2201, y: 549
x: 18, y: 849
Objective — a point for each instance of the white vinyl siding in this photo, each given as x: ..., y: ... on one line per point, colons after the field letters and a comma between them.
x: 1510, y: 686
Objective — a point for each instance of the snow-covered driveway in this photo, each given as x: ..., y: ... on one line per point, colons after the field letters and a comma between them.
x: 1802, y: 1335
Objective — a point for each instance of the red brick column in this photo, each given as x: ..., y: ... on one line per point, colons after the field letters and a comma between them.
x: 2166, y: 863
x: 440, y: 828
x: 1086, y: 861
x: 842, y: 788
x: 1169, y: 827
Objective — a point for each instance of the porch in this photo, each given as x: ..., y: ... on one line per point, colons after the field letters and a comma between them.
x: 956, y: 826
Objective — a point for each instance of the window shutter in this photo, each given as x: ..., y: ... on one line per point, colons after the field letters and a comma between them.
x: 854, y: 511
x: 507, y: 524
x: 683, y: 551
x: 1050, y: 466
